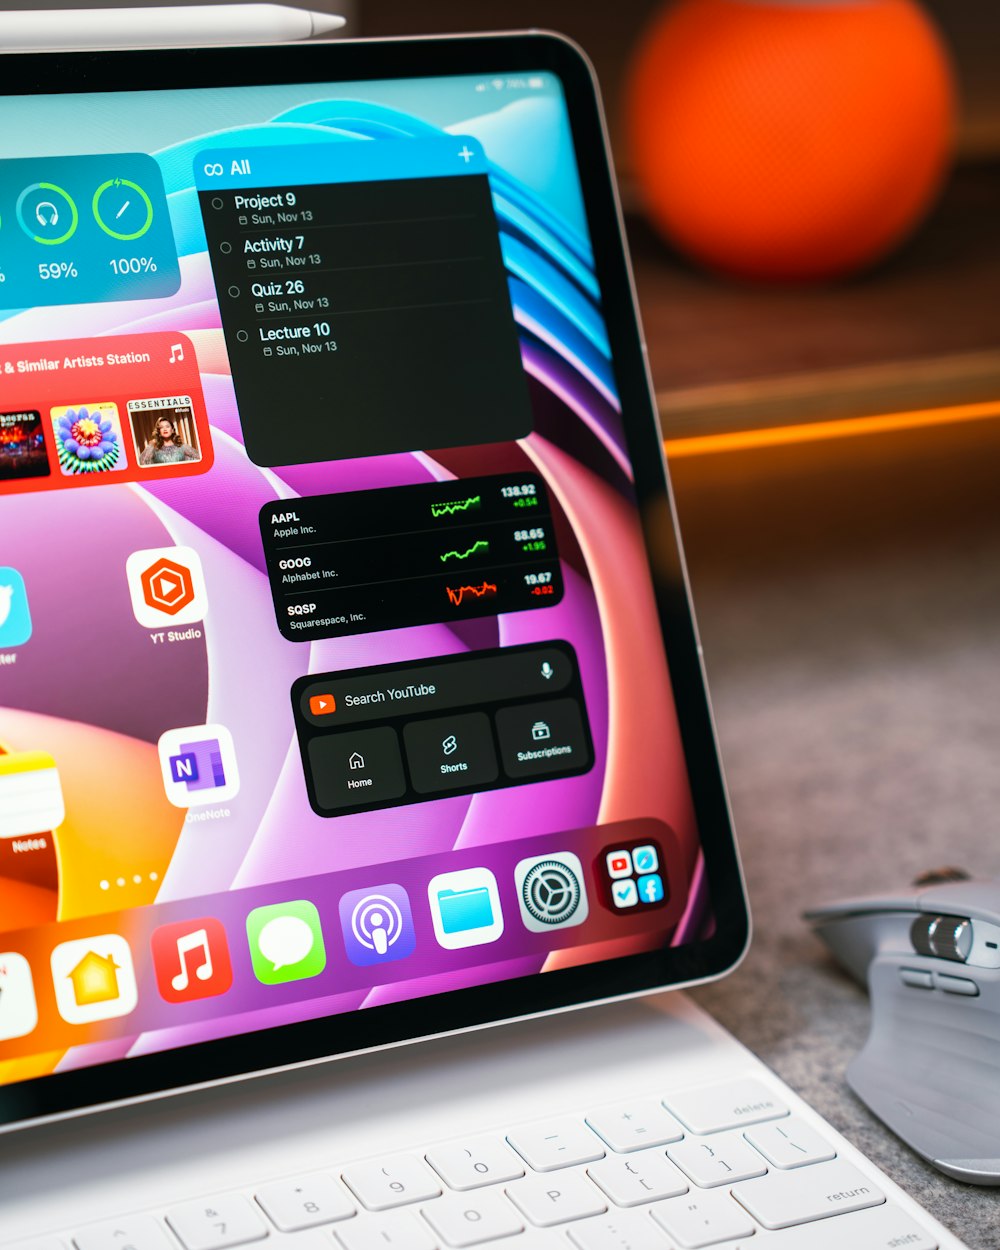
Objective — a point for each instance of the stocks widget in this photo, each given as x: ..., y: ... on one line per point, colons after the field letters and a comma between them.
x: 84, y: 230
x: 364, y: 298
x: 410, y: 555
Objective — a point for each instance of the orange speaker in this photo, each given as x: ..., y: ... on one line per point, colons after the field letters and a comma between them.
x: 790, y: 139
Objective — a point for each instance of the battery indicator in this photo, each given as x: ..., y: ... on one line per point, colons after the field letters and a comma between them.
x: 536, y: 84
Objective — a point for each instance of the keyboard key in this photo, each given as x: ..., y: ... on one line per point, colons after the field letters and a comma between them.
x: 471, y: 1219
x: 698, y: 1220
x: 556, y: 1144
x: 782, y: 1199
x: 49, y: 1243
x: 790, y: 1144
x: 879, y: 1228
x: 391, y: 1182
x: 217, y: 1223
x: 478, y: 1161
x: 135, y: 1232
x: 711, y: 1108
x: 621, y: 1230
x: 640, y: 1178
x: 553, y: 1200
x: 717, y: 1160
x: 305, y: 1203
x: 402, y: 1231
x: 635, y: 1125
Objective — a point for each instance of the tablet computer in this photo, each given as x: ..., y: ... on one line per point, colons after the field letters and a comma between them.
x: 350, y: 691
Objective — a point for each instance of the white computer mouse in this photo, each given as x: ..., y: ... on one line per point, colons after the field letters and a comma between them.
x: 930, y: 1068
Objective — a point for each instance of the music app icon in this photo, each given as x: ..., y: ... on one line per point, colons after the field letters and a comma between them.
x: 191, y: 960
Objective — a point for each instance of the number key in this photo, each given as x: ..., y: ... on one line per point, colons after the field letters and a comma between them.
x: 305, y: 1203
x: 216, y: 1223
x: 391, y: 1182
x: 479, y: 1161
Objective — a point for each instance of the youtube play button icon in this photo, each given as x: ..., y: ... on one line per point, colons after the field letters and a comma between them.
x: 322, y: 704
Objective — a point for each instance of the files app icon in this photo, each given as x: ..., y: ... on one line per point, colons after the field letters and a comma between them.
x: 465, y: 908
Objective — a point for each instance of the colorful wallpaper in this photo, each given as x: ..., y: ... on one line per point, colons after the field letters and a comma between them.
x: 92, y: 692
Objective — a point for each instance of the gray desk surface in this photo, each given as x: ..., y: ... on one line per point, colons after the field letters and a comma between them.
x: 848, y: 596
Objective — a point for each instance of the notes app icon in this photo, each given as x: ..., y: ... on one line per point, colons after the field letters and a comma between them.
x: 191, y: 960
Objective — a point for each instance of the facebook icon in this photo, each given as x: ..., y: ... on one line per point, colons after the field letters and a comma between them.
x: 651, y: 888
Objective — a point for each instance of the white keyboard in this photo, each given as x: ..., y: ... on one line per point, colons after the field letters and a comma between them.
x: 725, y: 1165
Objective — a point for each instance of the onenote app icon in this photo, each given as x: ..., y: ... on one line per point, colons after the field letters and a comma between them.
x: 377, y: 925
x: 551, y: 892
x: 167, y: 586
x: 94, y: 979
x: 191, y: 960
x: 15, y: 618
x: 465, y: 908
x: 286, y: 942
x: 198, y: 765
x: 18, y: 1009
x: 31, y: 797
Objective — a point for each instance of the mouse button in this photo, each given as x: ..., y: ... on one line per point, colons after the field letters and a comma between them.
x: 985, y: 949
x: 957, y: 985
x: 916, y: 978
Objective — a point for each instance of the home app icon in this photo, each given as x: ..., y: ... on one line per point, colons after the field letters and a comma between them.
x: 94, y: 979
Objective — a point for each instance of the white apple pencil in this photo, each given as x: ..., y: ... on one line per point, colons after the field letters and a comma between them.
x: 197, y: 25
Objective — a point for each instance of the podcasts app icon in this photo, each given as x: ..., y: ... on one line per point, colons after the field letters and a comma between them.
x: 377, y: 925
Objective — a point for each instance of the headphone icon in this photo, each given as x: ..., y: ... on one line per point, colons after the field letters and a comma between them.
x: 50, y: 208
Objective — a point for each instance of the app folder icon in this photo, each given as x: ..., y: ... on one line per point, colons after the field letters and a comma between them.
x: 462, y: 910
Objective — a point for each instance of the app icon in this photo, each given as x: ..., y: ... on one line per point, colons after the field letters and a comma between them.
x: 651, y: 888
x: 191, y: 960
x: 631, y: 876
x: 31, y: 797
x: 94, y: 979
x: 322, y: 704
x: 624, y: 893
x: 551, y: 892
x: 15, y: 618
x: 286, y: 942
x: 198, y: 765
x: 646, y: 859
x: 619, y: 864
x: 377, y: 925
x: 167, y: 586
x: 18, y: 1009
x: 465, y: 908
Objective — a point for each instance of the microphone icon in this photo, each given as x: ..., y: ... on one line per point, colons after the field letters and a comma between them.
x: 548, y: 672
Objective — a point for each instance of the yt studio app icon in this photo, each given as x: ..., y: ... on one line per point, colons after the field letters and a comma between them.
x: 198, y: 765
x: 377, y: 925
x: 167, y: 586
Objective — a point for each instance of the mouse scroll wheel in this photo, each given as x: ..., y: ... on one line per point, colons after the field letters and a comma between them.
x: 945, y: 937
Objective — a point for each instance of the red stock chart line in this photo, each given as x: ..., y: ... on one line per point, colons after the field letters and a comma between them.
x: 484, y: 590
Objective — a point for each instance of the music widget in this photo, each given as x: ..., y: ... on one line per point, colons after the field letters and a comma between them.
x: 191, y: 960
x: 377, y: 925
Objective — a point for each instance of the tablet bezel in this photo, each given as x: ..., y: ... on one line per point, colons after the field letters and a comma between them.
x: 269, y: 1049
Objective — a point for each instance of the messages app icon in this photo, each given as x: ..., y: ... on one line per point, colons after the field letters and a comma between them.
x: 286, y: 942
x: 465, y: 908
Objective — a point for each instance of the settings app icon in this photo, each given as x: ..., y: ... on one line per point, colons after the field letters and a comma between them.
x: 551, y: 892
